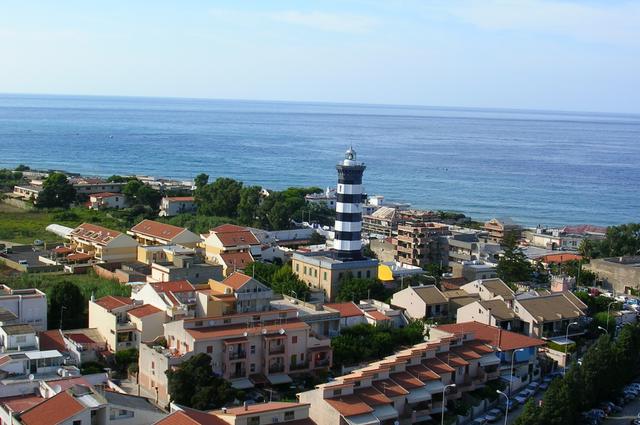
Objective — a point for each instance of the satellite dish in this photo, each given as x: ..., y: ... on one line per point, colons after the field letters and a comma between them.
x: 281, y: 331
x: 57, y: 389
x: 246, y: 334
x: 31, y: 377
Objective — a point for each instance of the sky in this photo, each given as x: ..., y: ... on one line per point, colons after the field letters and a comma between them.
x: 530, y: 54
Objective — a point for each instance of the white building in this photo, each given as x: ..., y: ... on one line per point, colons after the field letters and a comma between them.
x: 28, y: 305
x: 104, y: 200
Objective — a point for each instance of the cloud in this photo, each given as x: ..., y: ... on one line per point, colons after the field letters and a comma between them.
x: 326, y: 21
x: 609, y: 22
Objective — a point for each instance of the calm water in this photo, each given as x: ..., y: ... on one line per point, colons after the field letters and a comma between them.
x: 533, y: 166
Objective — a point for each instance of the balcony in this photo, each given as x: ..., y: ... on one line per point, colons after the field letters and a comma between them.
x: 242, y: 373
x: 322, y: 362
x: 299, y: 366
x: 276, y: 349
x: 238, y: 355
x: 276, y: 368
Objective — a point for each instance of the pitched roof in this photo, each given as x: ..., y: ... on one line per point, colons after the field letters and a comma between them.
x: 348, y: 309
x: 173, y: 286
x: 557, y: 306
x: 94, y: 233
x: 52, y: 411
x: 430, y: 294
x: 372, y: 396
x: 349, y: 405
x: 498, y: 287
x: 157, y: 230
x: 262, y: 407
x: 239, y: 260
x: 144, y: 310
x: 390, y: 388
x: 236, y: 280
x: 238, y: 330
x: 491, y: 335
x: 499, y: 309
x: 188, y: 416
x: 51, y: 340
x: 559, y: 258
x: 104, y: 195
x: 376, y: 315
x: 20, y: 403
x: 180, y: 198
x: 232, y: 235
x: 111, y: 302
x: 80, y: 338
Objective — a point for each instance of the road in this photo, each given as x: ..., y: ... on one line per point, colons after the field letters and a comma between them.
x: 630, y: 411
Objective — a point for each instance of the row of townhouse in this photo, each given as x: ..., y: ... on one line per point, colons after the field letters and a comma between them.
x: 246, y: 349
x: 407, y: 387
x: 541, y: 314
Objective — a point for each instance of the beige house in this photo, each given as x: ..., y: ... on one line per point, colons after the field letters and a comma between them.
x: 250, y: 294
x: 245, y: 349
x: 499, y: 227
x: 229, y: 238
x: 490, y: 289
x: 102, y: 244
x: 547, y: 316
x: 149, y: 232
x: 320, y: 270
x: 422, y: 302
x: 123, y: 324
x: 491, y: 312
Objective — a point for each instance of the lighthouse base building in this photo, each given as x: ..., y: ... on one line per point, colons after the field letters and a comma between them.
x: 326, y: 269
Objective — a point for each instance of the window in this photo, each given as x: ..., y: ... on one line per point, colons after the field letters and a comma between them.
x: 337, y: 392
x: 209, y: 349
x: 297, y: 267
x: 21, y: 338
x: 226, y: 321
x: 78, y: 422
x: 305, y: 270
x: 324, y: 276
x: 289, y: 415
x: 254, y: 420
x: 253, y: 349
x: 294, y: 339
x: 368, y: 273
x: 153, y: 365
x: 252, y: 368
x: 359, y: 274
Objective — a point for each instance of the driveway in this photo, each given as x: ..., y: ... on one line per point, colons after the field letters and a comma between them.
x: 628, y: 412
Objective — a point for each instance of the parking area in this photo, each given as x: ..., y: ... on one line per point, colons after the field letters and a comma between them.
x: 630, y: 411
x: 28, y: 258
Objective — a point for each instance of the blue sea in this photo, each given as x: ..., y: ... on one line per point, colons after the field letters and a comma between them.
x: 537, y: 167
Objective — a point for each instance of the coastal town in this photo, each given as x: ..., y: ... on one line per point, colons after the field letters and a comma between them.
x: 141, y: 300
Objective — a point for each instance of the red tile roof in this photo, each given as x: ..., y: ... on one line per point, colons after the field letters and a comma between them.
x: 349, y: 309
x: 491, y: 335
x: 390, y: 388
x: 191, y: 417
x: 376, y: 315
x: 232, y: 235
x: 238, y: 330
x: 157, y: 230
x: 79, y: 256
x: 559, y: 258
x: 104, y: 195
x: 173, y: 286
x: 80, y: 338
x: 111, y: 302
x: 437, y: 365
x: 239, y: 260
x: 181, y: 198
x: 423, y: 373
x: 20, y: 403
x: 262, y: 407
x: 144, y: 310
x: 236, y: 280
x: 52, y: 340
x: 349, y: 405
x: 372, y: 397
x: 54, y: 410
x: 94, y: 233
x: 63, y: 250
x: 406, y: 380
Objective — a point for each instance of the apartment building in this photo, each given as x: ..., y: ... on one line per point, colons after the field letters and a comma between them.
x: 229, y: 238
x: 26, y: 306
x: 249, y: 293
x: 176, y: 298
x: 549, y: 315
x: 123, y: 323
x: 421, y: 244
x: 463, y: 247
x: 174, y: 205
x: 105, y: 245
x: 185, y: 267
x: 382, y: 221
x: 88, y: 185
x: 149, y: 232
x: 245, y: 349
x: 497, y: 228
x: 407, y: 386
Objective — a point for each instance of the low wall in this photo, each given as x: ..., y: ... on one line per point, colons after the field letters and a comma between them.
x: 19, y: 203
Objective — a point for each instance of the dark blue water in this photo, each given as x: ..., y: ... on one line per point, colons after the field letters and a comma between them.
x: 533, y: 166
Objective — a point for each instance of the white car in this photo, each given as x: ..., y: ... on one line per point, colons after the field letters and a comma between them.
x: 493, y: 415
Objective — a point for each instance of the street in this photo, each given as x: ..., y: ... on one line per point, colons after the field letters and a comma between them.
x: 629, y: 412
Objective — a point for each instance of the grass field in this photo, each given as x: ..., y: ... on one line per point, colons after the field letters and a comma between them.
x: 21, y: 226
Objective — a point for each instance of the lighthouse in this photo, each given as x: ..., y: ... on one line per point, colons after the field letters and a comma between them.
x: 348, y: 225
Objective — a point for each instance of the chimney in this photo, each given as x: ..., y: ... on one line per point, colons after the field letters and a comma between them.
x: 246, y: 406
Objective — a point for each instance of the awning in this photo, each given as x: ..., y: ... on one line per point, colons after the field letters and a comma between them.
x: 241, y: 384
x: 280, y: 378
x: 434, y: 387
x: 489, y: 360
x: 385, y: 412
x: 416, y: 395
x: 366, y: 419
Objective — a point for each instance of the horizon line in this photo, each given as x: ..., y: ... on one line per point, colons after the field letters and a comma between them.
x: 326, y: 102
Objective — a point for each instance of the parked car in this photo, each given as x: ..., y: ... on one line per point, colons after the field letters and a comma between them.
x: 521, y: 399
x: 512, y: 405
x: 493, y: 415
x: 479, y: 421
x: 533, y: 387
x: 23, y: 262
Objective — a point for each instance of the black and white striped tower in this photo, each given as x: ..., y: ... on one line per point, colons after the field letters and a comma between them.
x: 347, y: 241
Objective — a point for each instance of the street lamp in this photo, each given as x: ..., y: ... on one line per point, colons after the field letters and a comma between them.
x: 443, y: 401
x: 506, y: 408
x: 603, y: 329
x: 513, y: 358
x: 566, y: 346
x: 608, y: 312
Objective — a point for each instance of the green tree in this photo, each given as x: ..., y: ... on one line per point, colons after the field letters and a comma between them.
x: 356, y: 289
x: 118, y: 179
x: 436, y: 271
x: 317, y: 239
x: 530, y: 414
x: 220, y: 198
x: 22, y: 167
x: 620, y: 241
x: 284, y: 281
x: 56, y: 192
x: 66, y: 306
x: 513, y: 266
x: 194, y: 385
x: 249, y: 205
x: 138, y: 193
x: 201, y: 180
